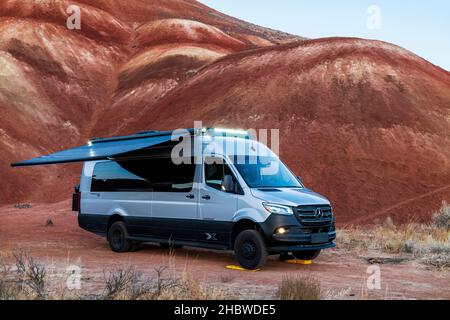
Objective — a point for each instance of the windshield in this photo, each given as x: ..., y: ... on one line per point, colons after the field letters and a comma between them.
x: 265, y: 172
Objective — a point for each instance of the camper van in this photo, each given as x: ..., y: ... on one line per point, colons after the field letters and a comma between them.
x: 210, y: 188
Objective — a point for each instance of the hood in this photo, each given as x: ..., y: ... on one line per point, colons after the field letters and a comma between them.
x: 290, y: 196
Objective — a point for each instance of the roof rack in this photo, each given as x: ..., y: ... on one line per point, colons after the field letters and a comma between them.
x: 139, y: 135
x: 155, y: 133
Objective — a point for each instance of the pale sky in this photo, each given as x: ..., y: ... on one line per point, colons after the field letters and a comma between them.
x: 420, y: 26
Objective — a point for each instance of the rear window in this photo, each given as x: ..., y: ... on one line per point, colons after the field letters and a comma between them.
x: 159, y: 175
x: 124, y: 176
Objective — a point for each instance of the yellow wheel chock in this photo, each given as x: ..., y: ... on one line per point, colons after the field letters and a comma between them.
x: 240, y: 268
x: 295, y: 261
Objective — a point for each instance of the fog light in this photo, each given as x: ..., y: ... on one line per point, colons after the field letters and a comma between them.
x: 282, y: 230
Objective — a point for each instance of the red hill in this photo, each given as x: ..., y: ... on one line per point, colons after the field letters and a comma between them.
x: 364, y: 122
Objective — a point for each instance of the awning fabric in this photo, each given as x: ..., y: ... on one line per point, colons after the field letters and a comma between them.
x: 103, y: 149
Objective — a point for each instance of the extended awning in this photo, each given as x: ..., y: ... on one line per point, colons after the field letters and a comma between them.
x: 103, y: 149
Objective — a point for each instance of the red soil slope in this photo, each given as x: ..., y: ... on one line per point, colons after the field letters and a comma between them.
x: 55, y: 82
x: 364, y: 122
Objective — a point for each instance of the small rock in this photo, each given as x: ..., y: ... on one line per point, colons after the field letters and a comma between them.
x: 49, y: 223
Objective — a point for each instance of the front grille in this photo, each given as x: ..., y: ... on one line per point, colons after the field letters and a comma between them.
x: 311, y: 230
x: 307, y: 215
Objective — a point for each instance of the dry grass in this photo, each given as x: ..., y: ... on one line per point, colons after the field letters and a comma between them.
x: 26, y: 281
x: 421, y: 241
x: 122, y: 284
x: 441, y: 219
x: 128, y: 284
x: 24, y: 278
x: 338, y: 294
x: 191, y: 288
x: 440, y: 261
x: 299, y: 288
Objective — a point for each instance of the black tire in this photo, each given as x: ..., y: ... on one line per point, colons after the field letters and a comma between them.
x: 117, y: 237
x: 306, y: 255
x: 250, y: 249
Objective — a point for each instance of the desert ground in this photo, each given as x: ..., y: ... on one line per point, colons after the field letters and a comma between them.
x: 342, y: 272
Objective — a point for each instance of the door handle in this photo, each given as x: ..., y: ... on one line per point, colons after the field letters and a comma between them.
x: 190, y: 196
x: 206, y: 197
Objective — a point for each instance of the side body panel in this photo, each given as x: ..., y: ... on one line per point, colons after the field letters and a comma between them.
x: 98, y: 207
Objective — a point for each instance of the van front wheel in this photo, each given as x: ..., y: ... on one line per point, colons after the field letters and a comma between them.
x: 250, y: 249
x: 117, y: 237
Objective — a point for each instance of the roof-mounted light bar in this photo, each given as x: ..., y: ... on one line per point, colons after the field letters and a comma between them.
x: 238, y: 133
x: 231, y: 131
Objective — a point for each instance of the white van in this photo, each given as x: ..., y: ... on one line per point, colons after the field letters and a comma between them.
x: 235, y: 194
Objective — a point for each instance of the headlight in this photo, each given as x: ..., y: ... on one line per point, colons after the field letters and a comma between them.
x: 278, y: 208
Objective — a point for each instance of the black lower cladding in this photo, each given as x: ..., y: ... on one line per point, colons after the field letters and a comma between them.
x: 201, y: 231
x: 216, y: 234
x: 95, y: 223
x: 209, y: 233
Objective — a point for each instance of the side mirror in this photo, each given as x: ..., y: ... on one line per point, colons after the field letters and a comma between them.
x: 228, y: 184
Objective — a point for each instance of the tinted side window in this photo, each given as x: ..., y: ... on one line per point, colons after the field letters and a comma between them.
x: 215, y: 170
x: 169, y: 177
x: 159, y: 175
x: 126, y: 176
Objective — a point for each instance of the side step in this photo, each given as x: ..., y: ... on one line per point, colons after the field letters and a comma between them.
x: 181, y: 243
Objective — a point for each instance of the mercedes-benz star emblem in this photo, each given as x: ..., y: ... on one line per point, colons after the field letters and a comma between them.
x: 319, y: 213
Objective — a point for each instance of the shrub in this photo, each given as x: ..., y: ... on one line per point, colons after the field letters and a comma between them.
x: 441, y: 219
x: 35, y: 277
x: 191, y: 289
x: 9, y: 289
x: 299, y: 288
x: 440, y: 260
x: 122, y: 284
x: 128, y: 284
x: 31, y: 273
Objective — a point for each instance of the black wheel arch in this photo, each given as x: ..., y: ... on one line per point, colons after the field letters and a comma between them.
x: 241, y: 225
x: 114, y: 218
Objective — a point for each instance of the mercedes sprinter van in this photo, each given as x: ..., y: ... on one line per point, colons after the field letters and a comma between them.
x: 219, y: 189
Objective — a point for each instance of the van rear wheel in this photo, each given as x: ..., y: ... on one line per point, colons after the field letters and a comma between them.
x: 306, y: 255
x: 250, y: 249
x: 117, y: 237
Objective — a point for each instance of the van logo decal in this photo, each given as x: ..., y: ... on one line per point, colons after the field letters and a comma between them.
x: 319, y: 213
x: 211, y: 236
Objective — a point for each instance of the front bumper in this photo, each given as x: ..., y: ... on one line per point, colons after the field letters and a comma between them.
x: 290, y: 248
x: 298, y: 237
